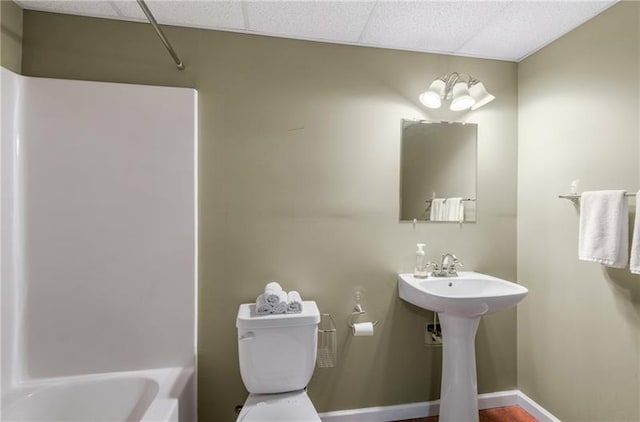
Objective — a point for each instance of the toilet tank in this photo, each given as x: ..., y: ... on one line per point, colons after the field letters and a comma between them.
x: 277, y: 352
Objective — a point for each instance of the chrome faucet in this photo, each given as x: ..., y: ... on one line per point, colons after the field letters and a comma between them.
x: 447, y: 267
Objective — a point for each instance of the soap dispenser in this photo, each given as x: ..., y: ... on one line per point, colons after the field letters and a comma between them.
x: 420, y: 270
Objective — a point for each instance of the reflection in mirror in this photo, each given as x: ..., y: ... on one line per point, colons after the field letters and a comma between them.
x: 438, y: 171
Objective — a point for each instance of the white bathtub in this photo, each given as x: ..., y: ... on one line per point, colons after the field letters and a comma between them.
x: 166, y: 395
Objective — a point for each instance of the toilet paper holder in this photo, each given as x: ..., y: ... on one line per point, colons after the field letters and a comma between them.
x: 356, y: 314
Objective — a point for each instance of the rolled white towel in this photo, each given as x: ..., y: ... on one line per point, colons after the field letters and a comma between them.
x: 274, y: 285
x: 281, y: 306
x: 272, y: 293
x: 294, y: 302
x: 262, y: 307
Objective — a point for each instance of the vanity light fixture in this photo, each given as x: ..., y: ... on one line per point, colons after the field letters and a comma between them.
x: 461, y: 88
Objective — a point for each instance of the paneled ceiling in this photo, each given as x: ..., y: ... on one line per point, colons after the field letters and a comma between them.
x: 504, y: 29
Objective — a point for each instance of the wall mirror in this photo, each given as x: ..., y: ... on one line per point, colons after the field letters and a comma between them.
x: 438, y: 167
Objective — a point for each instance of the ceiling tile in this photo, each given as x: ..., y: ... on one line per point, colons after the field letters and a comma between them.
x: 526, y: 26
x: 198, y: 14
x: 499, y: 29
x: 441, y: 26
x: 340, y: 21
x: 97, y: 8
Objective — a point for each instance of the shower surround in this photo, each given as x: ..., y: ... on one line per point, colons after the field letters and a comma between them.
x: 98, y: 231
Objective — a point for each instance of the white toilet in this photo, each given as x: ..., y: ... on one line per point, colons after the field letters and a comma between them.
x: 277, y: 355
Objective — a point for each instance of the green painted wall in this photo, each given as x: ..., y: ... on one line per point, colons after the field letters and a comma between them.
x: 299, y: 147
x: 11, y: 35
x: 579, y: 329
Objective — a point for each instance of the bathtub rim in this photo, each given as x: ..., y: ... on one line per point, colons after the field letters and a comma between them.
x: 171, y: 382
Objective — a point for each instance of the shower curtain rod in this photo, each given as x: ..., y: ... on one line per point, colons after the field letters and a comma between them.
x: 164, y: 39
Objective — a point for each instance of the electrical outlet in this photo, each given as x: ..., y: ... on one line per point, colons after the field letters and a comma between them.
x: 432, y: 335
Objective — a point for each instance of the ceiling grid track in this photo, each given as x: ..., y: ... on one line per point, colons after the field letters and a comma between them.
x: 245, y: 15
x: 366, y: 24
x: 116, y: 9
x: 489, y: 23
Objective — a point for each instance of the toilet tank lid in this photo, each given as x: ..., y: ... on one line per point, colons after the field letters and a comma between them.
x: 248, y: 317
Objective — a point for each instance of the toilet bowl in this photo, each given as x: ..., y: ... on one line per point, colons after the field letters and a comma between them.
x: 284, y: 407
x: 277, y: 356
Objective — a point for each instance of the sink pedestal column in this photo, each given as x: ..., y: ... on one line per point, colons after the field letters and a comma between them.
x: 459, y: 391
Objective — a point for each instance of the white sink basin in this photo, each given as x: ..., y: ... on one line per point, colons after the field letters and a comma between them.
x: 460, y: 301
x: 468, y: 294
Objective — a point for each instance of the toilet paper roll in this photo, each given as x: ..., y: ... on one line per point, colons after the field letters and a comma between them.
x: 363, y: 329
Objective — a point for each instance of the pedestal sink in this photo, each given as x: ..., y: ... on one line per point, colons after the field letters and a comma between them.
x: 460, y: 302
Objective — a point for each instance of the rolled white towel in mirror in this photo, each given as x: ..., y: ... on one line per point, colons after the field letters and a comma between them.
x: 294, y: 302
x: 272, y: 293
x: 262, y: 307
x: 281, y: 306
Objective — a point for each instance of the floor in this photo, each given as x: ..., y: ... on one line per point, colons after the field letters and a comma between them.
x: 497, y: 414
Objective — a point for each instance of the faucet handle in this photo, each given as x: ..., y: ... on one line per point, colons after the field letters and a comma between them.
x: 452, y: 268
x: 452, y: 256
x: 449, y: 262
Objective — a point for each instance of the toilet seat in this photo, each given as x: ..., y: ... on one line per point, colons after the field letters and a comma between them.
x: 294, y: 406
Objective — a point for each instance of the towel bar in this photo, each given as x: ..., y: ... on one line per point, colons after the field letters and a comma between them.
x: 575, y: 196
x: 464, y: 199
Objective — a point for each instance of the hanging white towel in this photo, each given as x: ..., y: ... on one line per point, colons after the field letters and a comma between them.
x: 634, y: 262
x: 437, y: 209
x: 454, y: 209
x: 604, y: 228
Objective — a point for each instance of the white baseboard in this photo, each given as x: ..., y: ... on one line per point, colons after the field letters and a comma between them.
x: 534, y: 409
x: 431, y: 408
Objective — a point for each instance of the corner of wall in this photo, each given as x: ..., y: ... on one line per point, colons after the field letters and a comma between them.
x: 11, y: 17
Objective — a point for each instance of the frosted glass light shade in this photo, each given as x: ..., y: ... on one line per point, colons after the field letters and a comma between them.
x: 481, y: 95
x: 432, y: 98
x: 461, y: 98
